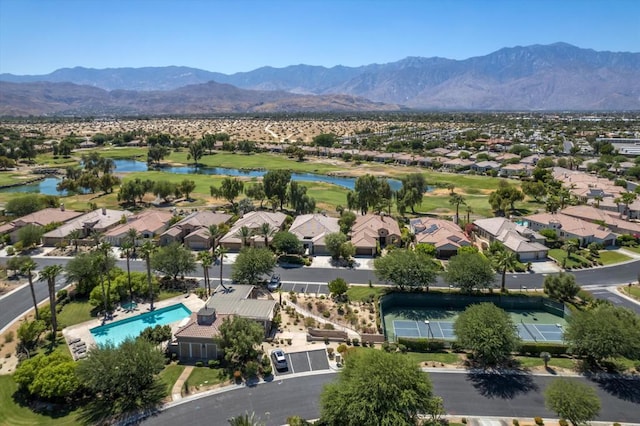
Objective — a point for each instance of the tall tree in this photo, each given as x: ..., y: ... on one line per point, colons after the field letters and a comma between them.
x: 413, y: 187
x: 505, y: 260
x: 50, y: 273
x: 196, y: 151
x: 406, y: 269
x: 468, y: 271
x: 561, y: 286
x: 266, y: 230
x: 173, y: 260
x: 127, y: 249
x: 229, y: 189
x: 577, y: 402
x: 256, y: 191
x: 457, y: 200
x: 214, y: 232
x: 239, y: 337
x: 275, y: 185
x: 220, y: 252
x: 399, y: 401
x: 488, y: 331
x: 206, y: 260
x: 28, y: 265
x: 252, y: 264
x: 147, y: 250
x: 244, y: 234
x: 105, y: 264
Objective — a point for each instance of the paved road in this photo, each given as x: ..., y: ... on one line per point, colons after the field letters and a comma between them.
x: 464, y: 394
x: 313, y: 280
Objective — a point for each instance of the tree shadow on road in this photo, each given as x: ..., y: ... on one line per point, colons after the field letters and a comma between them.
x: 621, y: 386
x: 503, y: 384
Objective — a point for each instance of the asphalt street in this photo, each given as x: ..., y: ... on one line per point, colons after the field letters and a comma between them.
x: 464, y: 394
x: 313, y: 280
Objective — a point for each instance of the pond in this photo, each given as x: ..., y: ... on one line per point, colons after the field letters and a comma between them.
x: 48, y: 185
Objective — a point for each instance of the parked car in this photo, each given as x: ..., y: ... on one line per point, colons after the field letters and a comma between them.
x: 274, y: 282
x: 279, y: 360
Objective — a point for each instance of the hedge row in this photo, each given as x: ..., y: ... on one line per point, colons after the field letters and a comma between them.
x: 423, y: 345
x: 535, y: 348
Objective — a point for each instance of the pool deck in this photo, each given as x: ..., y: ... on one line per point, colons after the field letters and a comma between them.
x: 81, y: 332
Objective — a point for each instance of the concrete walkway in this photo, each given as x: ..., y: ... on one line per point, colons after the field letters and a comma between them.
x: 176, y: 391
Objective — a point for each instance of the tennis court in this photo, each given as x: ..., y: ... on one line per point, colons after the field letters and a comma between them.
x: 444, y: 330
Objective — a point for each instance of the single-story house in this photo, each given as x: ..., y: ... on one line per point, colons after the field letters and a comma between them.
x: 567, y: 227
x: 196, y: 223
x: 524, y: 242
x: 40, y: 218
x: 147, y: 224
x: 252, y: 220
x: 198, y: 339
x: 311, y: 230
x: 485, y: 166
x: 610, y: 219
x: 445, y: 236
x: 371, y: 232
x: 100, y: 220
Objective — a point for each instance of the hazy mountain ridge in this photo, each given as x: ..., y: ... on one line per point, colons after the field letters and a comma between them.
x: 538, y: 77
x: 44, y: 98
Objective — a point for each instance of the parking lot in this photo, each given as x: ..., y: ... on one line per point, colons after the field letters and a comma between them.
x: 311, y: 288
x: 300, y: 362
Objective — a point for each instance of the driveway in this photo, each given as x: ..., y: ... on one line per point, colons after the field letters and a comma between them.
x: 304, y: 362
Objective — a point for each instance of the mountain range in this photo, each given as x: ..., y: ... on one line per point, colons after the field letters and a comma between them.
x: 538, y: 77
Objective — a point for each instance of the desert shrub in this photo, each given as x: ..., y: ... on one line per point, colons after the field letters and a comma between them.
x: 328, y: 326
x: 326, y: 314
x: 563, y: 422
x: 8, y: 338
x: 516, y: 422
x: 309, y: 322
x: 330, y: 353
x: 538, y: 421
x: 341, y: 348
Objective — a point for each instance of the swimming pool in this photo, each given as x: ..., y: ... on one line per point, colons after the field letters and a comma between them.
x: 118, y: 331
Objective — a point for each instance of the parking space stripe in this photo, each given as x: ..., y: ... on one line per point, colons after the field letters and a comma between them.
x: 309, y: 361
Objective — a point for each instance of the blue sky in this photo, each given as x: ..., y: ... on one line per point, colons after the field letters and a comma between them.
x: 38, y: 37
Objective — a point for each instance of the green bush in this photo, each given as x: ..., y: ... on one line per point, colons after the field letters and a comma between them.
x: 326, y: 314
x: 267, y: 370
x: 422, y: 345
x: 10, y: 251
x: 213, y: 363
x: 356, y: 342
x: 328, y: 326
x: 251, y: 369
x: 199, y: 364
x: 535, y: 349
x: 516, y: 422
x: 538, y: 421
x: 563, y: 422
x: 8, y: 338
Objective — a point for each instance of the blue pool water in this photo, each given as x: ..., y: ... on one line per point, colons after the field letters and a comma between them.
x: 118, y: 331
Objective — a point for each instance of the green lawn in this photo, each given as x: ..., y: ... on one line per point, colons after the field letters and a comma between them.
x: 633, y: 249
x: 609, y: 257
x: 361, y: 293
x: 170, y: 374
x: 10, y: 178
x: 14, y: 414
x: 205, y: 376
x: 76, y: 312
x: 573, y: 262
x: 438, y: 357
x: 532, y: 361
x: 633, y: 291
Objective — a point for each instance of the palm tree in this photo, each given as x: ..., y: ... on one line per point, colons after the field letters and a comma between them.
x: 132, y: 235
x: 75, y: 236
x: 50, y: 273
x: 147, y: 250
x: 127, y: 249
x: 457, y: 200
x: 244, y: 233
x: 571, y: 246
x: 105, y: 250
x: 96, y: 238
x: 27, y: 266
x: 505, y: 260
x: 214, y: 231
x: 626, y: 198
x: 245, y: 420
x: 207, y: 260
x: 597, y: 199
x: 266, y: 231
x: 220, y: 252
x: 469, y: 211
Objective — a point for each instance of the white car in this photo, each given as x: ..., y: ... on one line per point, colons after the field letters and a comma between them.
x: 279, y: 359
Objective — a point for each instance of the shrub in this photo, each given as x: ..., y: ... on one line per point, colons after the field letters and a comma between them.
x: 213, y: 363
x: 251, y: 369
x: 326, y: 340
x: 10, y: 251
x: 422, y: 345
x: 538, y: 421
x: 535, y: 349
x: 463, y: 420
x: 516, y: 422
x: 328, y: 326
x: 9, y: 337
x: 563, y: 422
x: 267, y: 370
x: 326, y: 314
x: 341, y: 348
x: 309, y: 322
x: 62, y: 294
x: 199, y: 364
x: 288, y: 341
x: 348, y: 341
x: 356, y: 342
x: 330, y: 353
